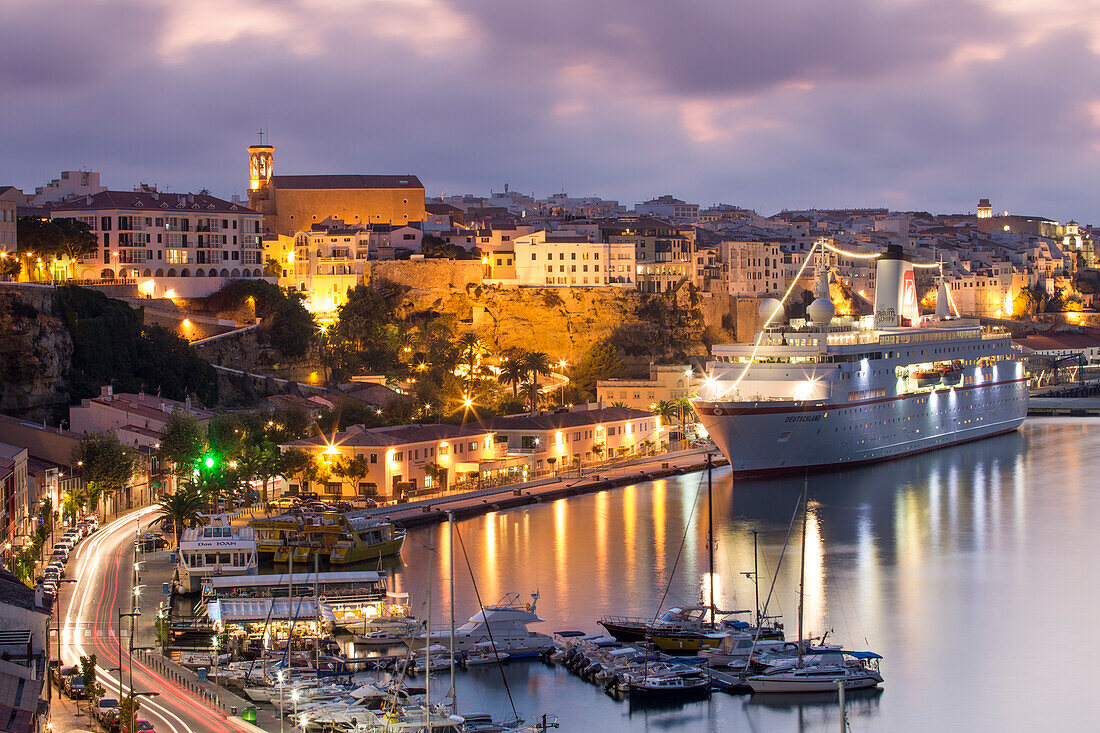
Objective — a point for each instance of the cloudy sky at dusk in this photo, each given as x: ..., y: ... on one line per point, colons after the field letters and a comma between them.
x: 924, y: 104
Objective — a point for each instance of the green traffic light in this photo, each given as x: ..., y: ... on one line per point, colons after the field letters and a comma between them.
x: 209, y: 461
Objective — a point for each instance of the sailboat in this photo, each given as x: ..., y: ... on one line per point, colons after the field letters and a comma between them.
x: 850, y: 670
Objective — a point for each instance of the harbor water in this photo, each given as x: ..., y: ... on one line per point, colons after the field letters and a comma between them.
x: 970, y: 569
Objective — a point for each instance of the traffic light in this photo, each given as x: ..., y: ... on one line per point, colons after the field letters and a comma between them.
x: 209, y: 461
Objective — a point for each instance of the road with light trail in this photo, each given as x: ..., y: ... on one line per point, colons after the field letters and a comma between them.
x: 103, y: 567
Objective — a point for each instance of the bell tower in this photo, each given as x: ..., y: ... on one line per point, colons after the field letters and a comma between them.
x: 261, y: 164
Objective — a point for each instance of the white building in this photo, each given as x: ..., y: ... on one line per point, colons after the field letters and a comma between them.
x: 560, y: 259
x: 668, y: 207
x: 172, y: 244
x: 69, y: 185
x: 753, y: 269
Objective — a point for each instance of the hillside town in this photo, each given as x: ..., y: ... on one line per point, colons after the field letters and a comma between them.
x: 349, y: 339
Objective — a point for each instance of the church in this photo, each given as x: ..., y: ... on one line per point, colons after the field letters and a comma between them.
x: 291, y: 204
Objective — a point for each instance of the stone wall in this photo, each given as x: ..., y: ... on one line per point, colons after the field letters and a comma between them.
x: 439, y: 276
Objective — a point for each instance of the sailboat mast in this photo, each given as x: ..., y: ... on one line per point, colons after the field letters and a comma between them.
x: 802, y: 570
x: 427, y: 650
x: 710, y: 536
x: 756, y: 575
x: 451, y: 561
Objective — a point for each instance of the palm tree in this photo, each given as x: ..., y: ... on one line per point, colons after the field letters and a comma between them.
x: 666, y: 410
x: 535, y: 363
x: 470, y: 350
x: 181, y: 508
x: 512, y: 371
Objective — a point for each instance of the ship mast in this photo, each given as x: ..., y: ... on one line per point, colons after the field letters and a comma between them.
x: 710, y: 535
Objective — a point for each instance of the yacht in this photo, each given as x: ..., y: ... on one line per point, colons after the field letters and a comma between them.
x: 827, y: 391
x: 214, y: 549
x: 819, y: 677
x: 507, y: 620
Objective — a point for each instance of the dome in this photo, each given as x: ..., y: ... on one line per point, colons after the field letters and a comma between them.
x: 771, y: 310
x: 821, y: 310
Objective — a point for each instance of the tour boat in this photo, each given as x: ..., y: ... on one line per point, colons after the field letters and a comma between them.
x: 340, y: 538
x: 215, y: 549
x: 826, y: 392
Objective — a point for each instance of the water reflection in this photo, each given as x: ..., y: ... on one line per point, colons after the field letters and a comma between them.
x: 935, y: 561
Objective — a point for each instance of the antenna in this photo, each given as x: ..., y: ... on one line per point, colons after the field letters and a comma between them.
x: 261, y: 133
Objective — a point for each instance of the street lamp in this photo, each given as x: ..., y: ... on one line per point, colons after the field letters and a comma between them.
x: 57, y: 627
x: 133, y: 702
x: 131, y: 615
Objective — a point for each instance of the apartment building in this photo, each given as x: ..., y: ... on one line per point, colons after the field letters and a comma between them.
x: 666, y: 382
x: 569, y: 259
x: 13, y: 484
x: 174, y: 244
x: 69, y: 184
x: 668, y: 207
x: 10, y: 198
x: 754, y: 268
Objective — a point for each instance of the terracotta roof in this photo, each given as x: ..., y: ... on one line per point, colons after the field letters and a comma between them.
x: 561, y: 420
x: 346, y: 181
x: 359, y: 437
x: 151, y: 201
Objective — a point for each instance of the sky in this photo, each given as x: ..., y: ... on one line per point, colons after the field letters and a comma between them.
x: 768, y: 104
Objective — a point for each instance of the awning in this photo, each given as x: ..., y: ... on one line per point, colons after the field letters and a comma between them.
x: 228, y: 611
x: 359, y: 577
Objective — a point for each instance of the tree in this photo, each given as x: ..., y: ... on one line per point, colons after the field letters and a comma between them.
x: 601, y: 361
x: 296, y: 463
x: 128, y: 709
x: 183, y: 443
x: 10, y: 267
x: 106, y: 465
x: 72, y: 502
x: 181, y: 508
x: 438, y: 475
x: 666, y: 410
x: 512, y: 371
x: 272, y: 267
x: 92, y: 688
x: 537, y: 363
x: 471, y: 349
x: 353, y: 468
x: 54, y: 239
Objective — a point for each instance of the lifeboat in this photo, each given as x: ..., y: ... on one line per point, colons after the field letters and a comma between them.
x: 927, y: 377
x: 952, y: 373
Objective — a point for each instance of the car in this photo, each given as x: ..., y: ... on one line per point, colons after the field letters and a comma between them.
x: 73, y: 685
x: 60, y: 554
x: 51, y: 573
x: 140, y: 726
x: 319, y: 506
x: 150, y: 542
x: 308, y: 496
x: 49, y: 587
x: 283, y: 503
x: 344, y: 506
x: 59, y: 565
x: 370, y: 503
x: 107, y: 711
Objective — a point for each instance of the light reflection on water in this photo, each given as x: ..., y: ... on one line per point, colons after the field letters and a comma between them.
x: 956, y: 565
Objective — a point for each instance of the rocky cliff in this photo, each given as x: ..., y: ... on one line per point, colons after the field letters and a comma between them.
x: 35, y: 353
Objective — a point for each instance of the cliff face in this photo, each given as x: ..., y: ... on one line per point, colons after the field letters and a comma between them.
x: 35, y: 353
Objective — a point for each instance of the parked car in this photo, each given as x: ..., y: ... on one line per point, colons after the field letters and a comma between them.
x: 140, y: 726
x: 284, y: 502
x: 51, y: 573
x: 150, y: 542
x: 59, y: 565
x: 60, y: 554
x: 106, y: 711
x: 73, y: 685
x: 308, y: 496
x: 319, y: 506
x: 344, y: 506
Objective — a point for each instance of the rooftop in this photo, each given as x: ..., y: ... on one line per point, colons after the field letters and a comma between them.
x: 349, y: 181
x: 560, y: 420
x: 193, y: 203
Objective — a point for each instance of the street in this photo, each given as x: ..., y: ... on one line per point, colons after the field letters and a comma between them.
x: 103, y: 568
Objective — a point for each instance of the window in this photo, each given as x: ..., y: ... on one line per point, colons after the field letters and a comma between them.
x: 374, y: 458
x: 473, y: 445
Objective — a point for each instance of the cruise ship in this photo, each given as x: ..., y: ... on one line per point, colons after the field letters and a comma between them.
x: 826, y: 392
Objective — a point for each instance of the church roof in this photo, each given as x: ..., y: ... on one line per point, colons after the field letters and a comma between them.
x: 351, y: 181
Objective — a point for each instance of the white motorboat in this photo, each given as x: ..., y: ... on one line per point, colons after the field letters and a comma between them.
x: 483, y: 654
x: 506, y: 622
x: 815, y: 678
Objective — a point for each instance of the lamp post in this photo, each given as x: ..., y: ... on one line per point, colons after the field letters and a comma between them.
x: 131, y: 615
x: 57, y: 627
x: 281, y: 676
x: 133, y: 702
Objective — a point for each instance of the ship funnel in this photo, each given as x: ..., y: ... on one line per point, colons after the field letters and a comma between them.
x: 943, y: 307
x: 895, y: 290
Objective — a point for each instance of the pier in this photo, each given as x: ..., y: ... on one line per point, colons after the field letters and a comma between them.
x: 1063, y: 407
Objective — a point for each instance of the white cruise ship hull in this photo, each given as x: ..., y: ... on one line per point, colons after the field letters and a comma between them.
x: 774, y: 437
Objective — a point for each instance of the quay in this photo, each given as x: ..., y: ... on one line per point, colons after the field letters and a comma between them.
x: 472, y: 503
x: 1063, y: 407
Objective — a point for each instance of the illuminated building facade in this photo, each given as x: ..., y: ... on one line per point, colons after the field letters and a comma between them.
x: 189, y: 244
x: 291, y: 204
